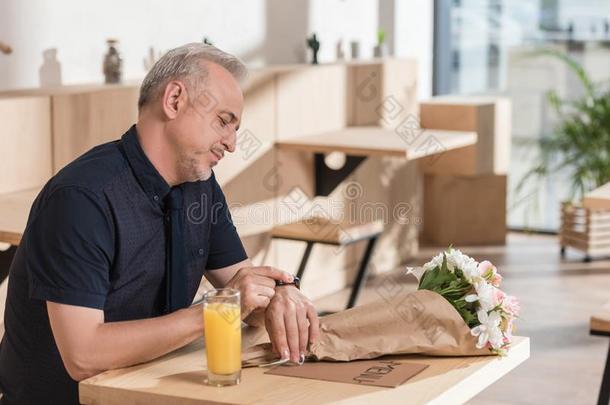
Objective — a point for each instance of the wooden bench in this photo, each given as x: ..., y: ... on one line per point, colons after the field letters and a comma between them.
x: 600, y: 326
x: 322, y: 230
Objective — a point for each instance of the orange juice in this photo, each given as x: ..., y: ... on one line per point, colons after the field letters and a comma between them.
x: 222, y: 323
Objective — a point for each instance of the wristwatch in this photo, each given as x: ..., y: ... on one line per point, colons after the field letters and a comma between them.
x: 295, y: 282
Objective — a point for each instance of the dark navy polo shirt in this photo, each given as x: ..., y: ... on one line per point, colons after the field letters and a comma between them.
x: 96, y: 238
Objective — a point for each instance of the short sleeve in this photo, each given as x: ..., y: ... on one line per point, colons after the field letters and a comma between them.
x: 69, y: 249
x: 226, y: 248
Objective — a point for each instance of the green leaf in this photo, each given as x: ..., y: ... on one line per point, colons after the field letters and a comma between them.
x: 437, y: 278
x: 423, y: 279
x: 444, y: 264
x: 453, y: 287
x: 579, y: 145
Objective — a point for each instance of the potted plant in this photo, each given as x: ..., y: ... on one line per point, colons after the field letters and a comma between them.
x: 579, y: 145
x: 381, y: 49
x: 314, y: 45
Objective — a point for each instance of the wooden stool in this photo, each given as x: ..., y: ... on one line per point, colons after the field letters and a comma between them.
x: 600, y: 326
x: 321, y: 230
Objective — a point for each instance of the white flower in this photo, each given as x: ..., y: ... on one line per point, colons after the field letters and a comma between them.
x: 486, y: 295
x: 418, y: 272
x: 467, y: 264
x: 436, y: 261
x: 457, y: 260
x: 489, y: 330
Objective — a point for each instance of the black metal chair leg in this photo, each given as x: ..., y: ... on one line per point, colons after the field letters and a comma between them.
x: 361, y: 275
x: 304, y: 260
x: 604, y: 391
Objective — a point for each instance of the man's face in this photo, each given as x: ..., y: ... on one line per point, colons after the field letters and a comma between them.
x: 207, y: 127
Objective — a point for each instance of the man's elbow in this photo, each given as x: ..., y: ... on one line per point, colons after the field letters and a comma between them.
x: 79, y: 369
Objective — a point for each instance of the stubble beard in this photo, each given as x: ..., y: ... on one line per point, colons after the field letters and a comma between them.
x: 193, y: 170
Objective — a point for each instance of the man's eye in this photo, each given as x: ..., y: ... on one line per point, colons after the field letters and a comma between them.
x: 223, y: 123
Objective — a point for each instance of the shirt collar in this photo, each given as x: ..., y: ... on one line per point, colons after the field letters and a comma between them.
x: 154, y: 185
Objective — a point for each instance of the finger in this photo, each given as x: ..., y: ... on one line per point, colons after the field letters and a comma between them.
x: 292, y: 334
x: 259, y: 301
x: 264, y: 291
x: 274, y: 323
x: 262, y: 281
x: 303, y: 325
x: 314, y: 324
x: 251, y: 295
x: 252, y: 304
x: 249, y: 277
x: 273, y: 273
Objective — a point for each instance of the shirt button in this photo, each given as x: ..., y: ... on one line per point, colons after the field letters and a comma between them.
x: 156, y: 198
x: 201, y: 252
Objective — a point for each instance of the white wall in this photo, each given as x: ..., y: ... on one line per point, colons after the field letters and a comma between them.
x: 78, y: 30
x: 349, y: 20
x: 259, y: 31
x: 414, y: 37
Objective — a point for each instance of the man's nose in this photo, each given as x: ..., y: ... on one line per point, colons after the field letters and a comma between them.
x: 229, y: 141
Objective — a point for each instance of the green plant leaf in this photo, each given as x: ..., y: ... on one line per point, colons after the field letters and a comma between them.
x: 580, y: 144
x: 438, y: 278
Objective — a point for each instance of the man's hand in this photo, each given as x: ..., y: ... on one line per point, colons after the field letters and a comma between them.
x: 257, y: 286
x: 292, y: 323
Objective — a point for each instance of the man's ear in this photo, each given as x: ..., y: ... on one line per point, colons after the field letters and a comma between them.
x: 174, y: 99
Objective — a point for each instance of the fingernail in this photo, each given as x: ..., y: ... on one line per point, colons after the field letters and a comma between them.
x: 285, y: 355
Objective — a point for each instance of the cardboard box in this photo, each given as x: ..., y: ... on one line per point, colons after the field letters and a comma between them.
x: 489, y: 117
x: 464, y: 210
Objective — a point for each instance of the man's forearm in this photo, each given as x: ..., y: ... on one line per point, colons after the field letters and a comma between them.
x: 121, y: 344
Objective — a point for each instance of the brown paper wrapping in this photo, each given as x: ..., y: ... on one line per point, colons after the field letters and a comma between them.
x: 407, y: 323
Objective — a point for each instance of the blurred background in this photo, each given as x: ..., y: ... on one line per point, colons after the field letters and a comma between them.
x: 512, y: 98
x: 461, y: 46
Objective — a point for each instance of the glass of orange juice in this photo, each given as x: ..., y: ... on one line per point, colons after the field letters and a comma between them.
x: 222, y: 327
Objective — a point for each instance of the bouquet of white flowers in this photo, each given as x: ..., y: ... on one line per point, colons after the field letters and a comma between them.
x: 458, y: 310
x: 472, y: 288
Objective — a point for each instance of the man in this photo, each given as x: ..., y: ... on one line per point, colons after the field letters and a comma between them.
x: 111, y: 257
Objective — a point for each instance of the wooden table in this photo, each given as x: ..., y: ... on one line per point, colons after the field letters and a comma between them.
x: 378, y: 141
x: 14, y: 211
x: 178, y: 378
x: 359, y: 143
x: 600, y: 326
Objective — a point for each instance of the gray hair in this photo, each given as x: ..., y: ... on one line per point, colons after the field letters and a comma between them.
x: 186, y: 63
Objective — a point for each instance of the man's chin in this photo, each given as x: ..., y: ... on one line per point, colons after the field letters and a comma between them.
x: 205, y: 173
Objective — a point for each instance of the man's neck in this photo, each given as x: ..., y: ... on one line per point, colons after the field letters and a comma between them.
x: 156, y: 148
